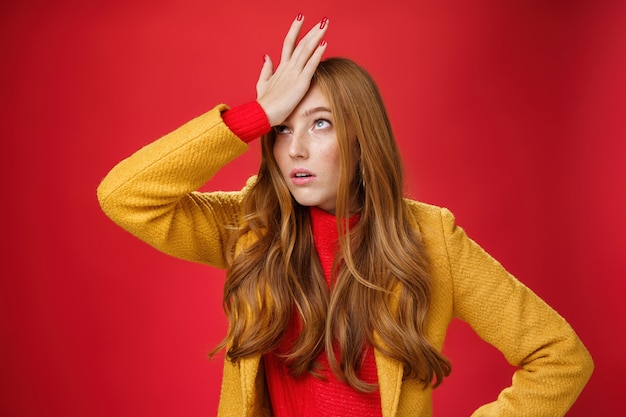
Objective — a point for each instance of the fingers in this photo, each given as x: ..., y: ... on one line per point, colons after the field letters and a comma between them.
x: 291, y: 38
x: 280, y: 89
x: 267, y: 69
x: 301, y: 51
x: 313, y: 62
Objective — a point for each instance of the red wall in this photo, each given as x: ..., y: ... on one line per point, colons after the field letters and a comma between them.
x: 510, y: 113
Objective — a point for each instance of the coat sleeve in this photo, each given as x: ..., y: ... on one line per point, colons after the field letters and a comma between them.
x: 151, y: 194
x: 553, y: 364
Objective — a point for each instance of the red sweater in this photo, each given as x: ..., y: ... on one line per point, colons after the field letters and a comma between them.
x: 307, y: 395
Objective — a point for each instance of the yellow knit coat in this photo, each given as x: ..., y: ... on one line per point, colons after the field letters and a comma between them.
x: 152, y: 194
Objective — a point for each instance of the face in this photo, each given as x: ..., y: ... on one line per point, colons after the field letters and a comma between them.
x: 307, y: 152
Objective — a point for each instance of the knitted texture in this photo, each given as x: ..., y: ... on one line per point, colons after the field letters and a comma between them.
x: 247, y: 121
x: 152, y: 195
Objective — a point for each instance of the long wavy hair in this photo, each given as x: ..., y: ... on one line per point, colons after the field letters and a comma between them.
x: 381, y: 282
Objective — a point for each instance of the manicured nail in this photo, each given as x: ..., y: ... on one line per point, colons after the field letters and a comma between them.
x: 323, y: 42
x: 264, y: 58
x: 323, y: 23
x: 299, y: 17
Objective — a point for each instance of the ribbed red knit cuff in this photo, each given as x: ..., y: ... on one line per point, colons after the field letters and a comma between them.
x: 247, y: 121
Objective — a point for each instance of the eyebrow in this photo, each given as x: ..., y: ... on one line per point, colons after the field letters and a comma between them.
x: 309, y: 112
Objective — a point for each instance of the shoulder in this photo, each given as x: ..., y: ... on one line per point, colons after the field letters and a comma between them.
x: 420, y: 208
x: 434, y: 224
x: 425, y: 214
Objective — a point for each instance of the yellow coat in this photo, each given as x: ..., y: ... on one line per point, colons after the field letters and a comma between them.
x: 152, y: 195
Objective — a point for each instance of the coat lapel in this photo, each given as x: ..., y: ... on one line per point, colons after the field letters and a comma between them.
x: 248, y: 371
x: 390, y: 374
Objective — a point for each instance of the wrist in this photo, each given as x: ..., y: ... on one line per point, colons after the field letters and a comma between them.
x: 248, y: 121
x: 273, y: 117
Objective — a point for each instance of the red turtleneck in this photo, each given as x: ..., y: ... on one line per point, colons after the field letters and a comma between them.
x: 307, y: 395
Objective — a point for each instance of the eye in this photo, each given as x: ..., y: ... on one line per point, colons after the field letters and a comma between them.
x: 281, y: 130
x: 322, y: 124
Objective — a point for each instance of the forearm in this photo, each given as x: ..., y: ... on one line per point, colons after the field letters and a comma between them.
x: 548, y: 381
x: 554, y: 365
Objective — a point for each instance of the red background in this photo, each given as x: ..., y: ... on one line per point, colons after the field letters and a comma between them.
x: 510, y: 113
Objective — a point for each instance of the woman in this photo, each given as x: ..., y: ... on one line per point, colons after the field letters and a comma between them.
x: 339, y: 290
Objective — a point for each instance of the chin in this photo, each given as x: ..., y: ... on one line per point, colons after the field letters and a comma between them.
x: 309, y: 203
x: 305, y: 203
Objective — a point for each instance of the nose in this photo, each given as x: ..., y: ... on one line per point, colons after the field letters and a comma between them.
x: 297, y: 146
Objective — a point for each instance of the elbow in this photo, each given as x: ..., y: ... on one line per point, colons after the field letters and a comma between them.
x: 587, y: 365
x: 105, y: 200
x: 580, y: 366
x: 116, y: 205
x: 101, y: 195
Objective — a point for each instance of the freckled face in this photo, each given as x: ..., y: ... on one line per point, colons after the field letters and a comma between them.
x: 307, y: 152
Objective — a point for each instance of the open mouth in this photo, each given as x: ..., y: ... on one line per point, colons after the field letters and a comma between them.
x: 301, y: 173
x: 301, y: 176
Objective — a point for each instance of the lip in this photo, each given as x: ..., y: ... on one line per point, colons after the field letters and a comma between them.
x: 301, y: 180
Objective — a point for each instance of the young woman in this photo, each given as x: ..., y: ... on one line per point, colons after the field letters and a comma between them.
x: 339, y: 290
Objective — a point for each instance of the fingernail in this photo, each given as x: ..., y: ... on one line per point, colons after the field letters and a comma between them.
x: 299, y: 17
x: 323, y: 23
x: 323, y: 42
x: 264, y: 58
